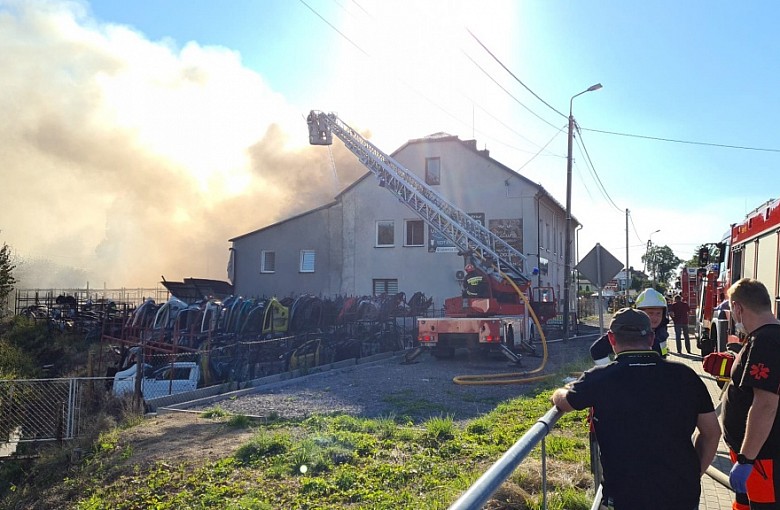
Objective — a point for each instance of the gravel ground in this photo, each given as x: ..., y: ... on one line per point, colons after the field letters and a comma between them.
x: 419, y: 390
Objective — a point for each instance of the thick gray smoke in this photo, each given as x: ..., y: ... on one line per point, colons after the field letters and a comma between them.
x: 122, y: 159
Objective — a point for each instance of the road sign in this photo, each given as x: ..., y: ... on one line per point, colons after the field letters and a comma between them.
x: 599, y: 266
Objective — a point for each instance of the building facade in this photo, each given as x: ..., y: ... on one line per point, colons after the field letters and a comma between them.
x: 367, y: 242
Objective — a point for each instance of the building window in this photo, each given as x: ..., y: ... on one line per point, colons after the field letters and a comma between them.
x: 267, y: 261
x: 307, y: 261
x: 432, y: 170
x: 415, y: 233
x: 385, y: 233
x: 385, y: 286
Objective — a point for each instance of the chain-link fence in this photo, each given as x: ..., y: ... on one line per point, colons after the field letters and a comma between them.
x: 44, y: 409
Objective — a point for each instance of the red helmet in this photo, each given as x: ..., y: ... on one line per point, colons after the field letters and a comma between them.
x: 469, y: 268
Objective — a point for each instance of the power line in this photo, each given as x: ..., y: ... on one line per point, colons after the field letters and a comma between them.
x: 581, y: 143
x: 513, y: 74
x: 350, y: 41
x: 514, y: 131
x: 362, y: 9
x: 599, y: 186
x: 617, y: 133
x: 507, y: 91
x: 630, y: 217
x: 421, y: 94
x: 582, y: 180
x: 689, y: 142
x: 540, y: 150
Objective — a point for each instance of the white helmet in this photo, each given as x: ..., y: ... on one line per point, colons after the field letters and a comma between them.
x: 650, y: 298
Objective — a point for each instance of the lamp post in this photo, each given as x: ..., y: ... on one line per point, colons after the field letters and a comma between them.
x: 567, y: 245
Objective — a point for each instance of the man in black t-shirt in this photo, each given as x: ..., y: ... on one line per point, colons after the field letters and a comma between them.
x: 751, y: 424
x: 648, y: 458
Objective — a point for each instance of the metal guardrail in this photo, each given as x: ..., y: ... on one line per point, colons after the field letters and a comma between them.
x: 480, y: 491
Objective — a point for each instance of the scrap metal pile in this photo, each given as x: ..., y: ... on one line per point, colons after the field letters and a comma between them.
x: 238, y: 339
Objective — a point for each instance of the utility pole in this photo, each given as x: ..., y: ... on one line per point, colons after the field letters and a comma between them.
x: 628, y: 271
x: 567, y: 244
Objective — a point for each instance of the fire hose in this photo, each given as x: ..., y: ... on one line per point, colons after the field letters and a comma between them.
x: 512, y: 377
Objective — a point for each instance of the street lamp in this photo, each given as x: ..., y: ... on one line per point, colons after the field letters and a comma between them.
x: 567, y: 245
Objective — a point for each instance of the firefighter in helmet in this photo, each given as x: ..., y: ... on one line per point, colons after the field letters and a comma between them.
x: 653, y: 303
x: 475, y: 283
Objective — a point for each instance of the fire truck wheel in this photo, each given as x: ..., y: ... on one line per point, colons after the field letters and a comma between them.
x: 706, y: 345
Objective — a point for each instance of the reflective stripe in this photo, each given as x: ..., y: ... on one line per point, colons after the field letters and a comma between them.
x: 723, y: 365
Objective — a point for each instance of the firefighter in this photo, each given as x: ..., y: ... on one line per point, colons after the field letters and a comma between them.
x: 648, y: 458
x: 474, y: 284
x: 653, y: 304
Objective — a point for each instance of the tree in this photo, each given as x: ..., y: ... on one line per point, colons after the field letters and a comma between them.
x: 694, y: 260
x: 661, y: 262
x: 7, y: 280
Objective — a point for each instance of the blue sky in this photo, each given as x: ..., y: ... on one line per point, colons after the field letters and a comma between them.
x: 690, y: 71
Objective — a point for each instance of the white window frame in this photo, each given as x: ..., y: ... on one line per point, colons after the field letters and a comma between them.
x: 407, y: 223
x: 308, y: 259
x: 376, y: 238
x: 264, y: 261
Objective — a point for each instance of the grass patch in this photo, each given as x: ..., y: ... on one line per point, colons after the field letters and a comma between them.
x: 215, y: 412
x: 340, y: 461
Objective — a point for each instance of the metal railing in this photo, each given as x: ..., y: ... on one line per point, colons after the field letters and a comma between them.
x: 480, y: 491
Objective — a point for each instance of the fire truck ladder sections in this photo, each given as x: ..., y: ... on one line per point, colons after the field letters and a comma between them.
x: 457, y: 226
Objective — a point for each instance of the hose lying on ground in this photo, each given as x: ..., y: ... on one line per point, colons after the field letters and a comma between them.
x: 512, y: 377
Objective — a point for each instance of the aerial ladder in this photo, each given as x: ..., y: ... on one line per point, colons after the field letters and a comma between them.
x: 468, y: 235
x: 501, y: 264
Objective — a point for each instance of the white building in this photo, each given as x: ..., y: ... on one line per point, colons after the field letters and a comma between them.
x: 367, y: 242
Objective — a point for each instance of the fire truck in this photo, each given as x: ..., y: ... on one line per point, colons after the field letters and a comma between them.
x: 500, y: 317
x: 752, y: 250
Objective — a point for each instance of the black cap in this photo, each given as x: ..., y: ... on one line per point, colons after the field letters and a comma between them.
x: 628, y: 321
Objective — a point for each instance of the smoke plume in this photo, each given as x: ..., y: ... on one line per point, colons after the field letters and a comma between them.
x: 123, y: 159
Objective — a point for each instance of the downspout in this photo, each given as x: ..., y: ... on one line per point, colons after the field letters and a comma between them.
x: 538, y: 246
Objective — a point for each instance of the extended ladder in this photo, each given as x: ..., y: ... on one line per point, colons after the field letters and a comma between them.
x: 468, y: 235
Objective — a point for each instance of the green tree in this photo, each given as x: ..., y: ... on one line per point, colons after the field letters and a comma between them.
x: 639, y: 281
x: 661, y: 262
x: 694, y: 260
x: 7, y: 280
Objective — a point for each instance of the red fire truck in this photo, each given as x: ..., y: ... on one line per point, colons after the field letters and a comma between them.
x: 497, y: 318
x: 752, y: 250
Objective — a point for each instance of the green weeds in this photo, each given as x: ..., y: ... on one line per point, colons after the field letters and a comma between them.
x: 334, y: 462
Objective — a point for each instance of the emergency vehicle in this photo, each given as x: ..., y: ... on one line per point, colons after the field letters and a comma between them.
x: 500, y: 319
x: 752, y: 250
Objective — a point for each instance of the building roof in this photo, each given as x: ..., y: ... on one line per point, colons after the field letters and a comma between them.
x: 434, y: 137
x: 272, y: 225
x: 472, y: 146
